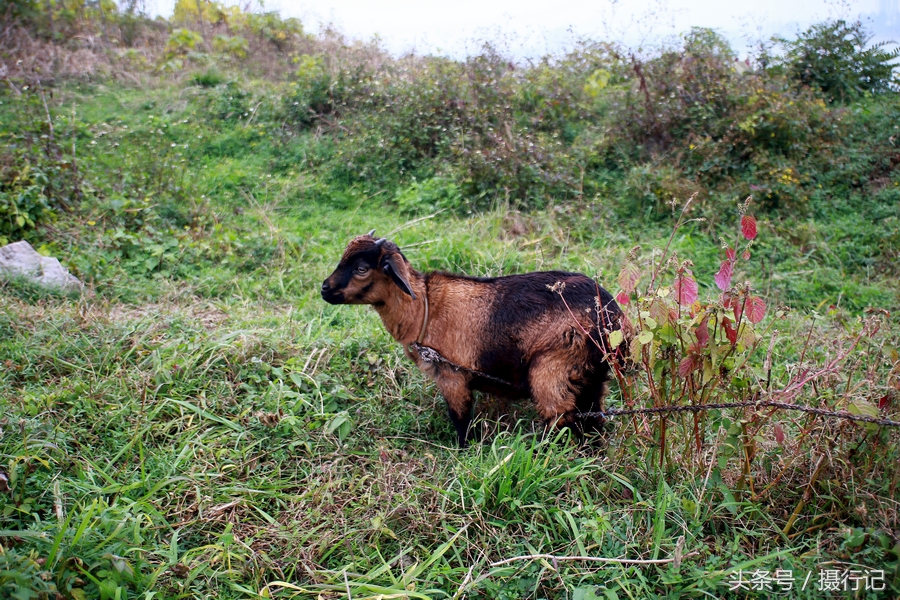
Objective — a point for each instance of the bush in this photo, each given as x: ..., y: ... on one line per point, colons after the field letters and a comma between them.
x: 317, y: 92
x: 272, y: 27
x: 652, y: 188
x: 689, y: 119
x: 235, y: 46
x: 181, y: 42
x: 208, y: 78
x: 406, y: 119
x: 835, y: 57
x: 38, y: 175
x: 181, y: 46
x: 690, y: 346
x: 230, y: 102
x: 429, y: 196
x: 702, y: 118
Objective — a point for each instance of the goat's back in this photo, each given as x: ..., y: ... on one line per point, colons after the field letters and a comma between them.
x: 509, y: 322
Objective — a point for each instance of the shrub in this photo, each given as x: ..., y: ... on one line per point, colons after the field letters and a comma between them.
x: 181, y: 45
x: 235, y: 46
x: 22, y: 206
x: 272, y: 27
x: 836, y: 58
x: 230, y: 102
x: 407, y: 118
x: 182, y: 41
x: 38, y: 175
x: 430, y: 195
x: 691, y: 347
x: 317, y: 92
x: 208, y: 78
x: 704, y: 118
x: 652, y: 188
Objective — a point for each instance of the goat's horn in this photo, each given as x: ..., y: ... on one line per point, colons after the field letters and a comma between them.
x: 380, y: 241
x: 371, y: 233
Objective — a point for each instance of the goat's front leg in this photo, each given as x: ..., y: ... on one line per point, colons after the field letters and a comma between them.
x: 455, y: 388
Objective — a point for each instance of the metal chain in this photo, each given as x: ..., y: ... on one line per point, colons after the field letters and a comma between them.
x: 839, y: 414
x: 430, y: 355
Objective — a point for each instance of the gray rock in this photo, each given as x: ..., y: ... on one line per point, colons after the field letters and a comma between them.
x: 20, y: 259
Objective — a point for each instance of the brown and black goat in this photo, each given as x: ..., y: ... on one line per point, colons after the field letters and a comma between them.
x: 538, y: 333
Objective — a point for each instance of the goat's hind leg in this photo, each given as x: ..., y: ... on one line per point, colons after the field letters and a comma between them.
x: 591, y: 392
x: 455, y: 388
x: 552, y: 388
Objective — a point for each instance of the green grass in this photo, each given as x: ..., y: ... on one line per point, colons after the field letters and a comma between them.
x: 203, y: 425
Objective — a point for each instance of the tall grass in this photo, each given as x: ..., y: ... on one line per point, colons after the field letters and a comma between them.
x: 202, y: 425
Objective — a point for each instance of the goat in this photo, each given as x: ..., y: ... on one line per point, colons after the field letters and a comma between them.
x: 539, y: 333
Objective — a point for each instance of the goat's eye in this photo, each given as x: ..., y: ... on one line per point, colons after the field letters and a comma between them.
x: 361, y: 269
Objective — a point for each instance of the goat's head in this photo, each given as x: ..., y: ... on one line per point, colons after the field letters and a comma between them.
x: 370, y: 271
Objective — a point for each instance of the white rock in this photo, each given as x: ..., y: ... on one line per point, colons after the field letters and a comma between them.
x: 20, y: 259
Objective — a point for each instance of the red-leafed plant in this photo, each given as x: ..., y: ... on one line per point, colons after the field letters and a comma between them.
x: 695, y: 338
x: 687, y: 351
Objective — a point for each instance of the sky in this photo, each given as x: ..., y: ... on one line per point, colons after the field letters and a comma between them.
x: 532, y: 28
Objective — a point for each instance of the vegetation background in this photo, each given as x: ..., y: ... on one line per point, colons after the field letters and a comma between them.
x: 200, y: 424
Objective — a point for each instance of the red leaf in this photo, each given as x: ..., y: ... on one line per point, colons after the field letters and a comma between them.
x: 629, y: 277
x: 746, y: 255
x: 685, y: 289
x: 723, y: 277
x: 622, y: 298
x: 730, y: 254
x: 703, y: 332
x: 687, y: 366
x: 779, y: 433
x: 755, y: 309
x: 883, y: 403
x: 737, y: 309
x: 748, y: 227
x: 730, y: 331
x: 659, y: 312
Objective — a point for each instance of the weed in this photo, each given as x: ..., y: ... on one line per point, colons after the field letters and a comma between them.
x: 208, y: 78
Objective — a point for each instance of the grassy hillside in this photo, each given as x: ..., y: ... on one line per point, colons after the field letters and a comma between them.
x: 200, y: 424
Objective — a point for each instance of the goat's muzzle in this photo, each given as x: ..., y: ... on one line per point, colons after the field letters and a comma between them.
x: 331, y: 296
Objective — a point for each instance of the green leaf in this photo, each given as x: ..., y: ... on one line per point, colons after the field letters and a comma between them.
x: 341, y: 425
x: 856, y: 537
x: 615, y: 338
x: 863, y: 408
x: 585, y: 593
x: 688, y: 505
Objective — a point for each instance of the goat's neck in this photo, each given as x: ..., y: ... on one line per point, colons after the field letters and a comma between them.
x: 402, y: 316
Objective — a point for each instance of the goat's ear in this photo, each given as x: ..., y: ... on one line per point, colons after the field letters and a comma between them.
x: 390, y: 266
